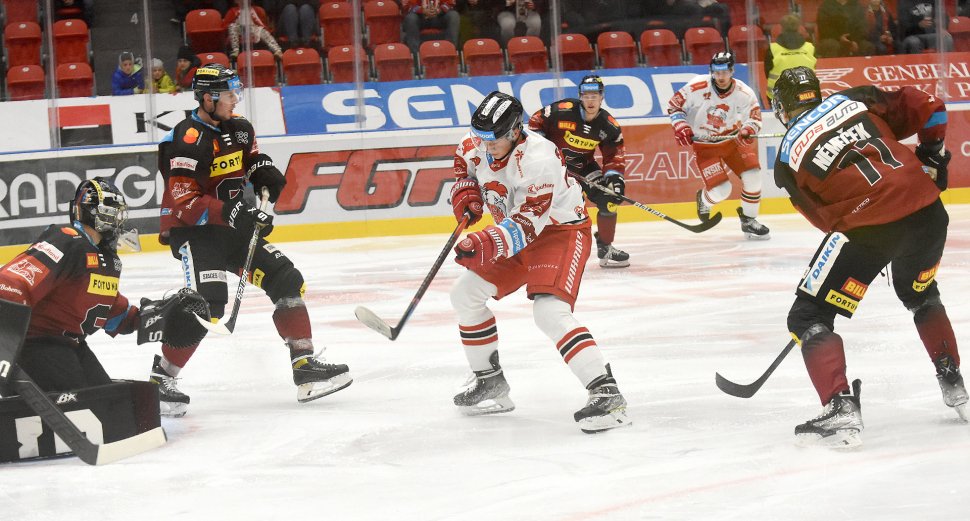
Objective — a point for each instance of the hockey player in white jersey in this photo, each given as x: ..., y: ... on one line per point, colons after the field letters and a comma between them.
x: 707, y: 113
x: 541, y: 239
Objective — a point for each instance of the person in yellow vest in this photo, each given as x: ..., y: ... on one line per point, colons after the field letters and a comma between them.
x: 789, y: 50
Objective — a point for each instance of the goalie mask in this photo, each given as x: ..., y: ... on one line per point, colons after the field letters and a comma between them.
x: 100, y: 205
x: 172, y: 319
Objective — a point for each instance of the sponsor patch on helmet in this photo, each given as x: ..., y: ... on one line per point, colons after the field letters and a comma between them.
x: 806, y: 96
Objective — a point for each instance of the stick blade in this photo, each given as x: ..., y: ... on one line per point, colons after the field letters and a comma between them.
x: 121, y: 449
x: 371, y: 320
x: 708, y: 224
x: 216, y: 328
x: 738, y: 390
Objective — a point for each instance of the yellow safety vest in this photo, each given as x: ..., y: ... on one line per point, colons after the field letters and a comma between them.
x: 785, y: 58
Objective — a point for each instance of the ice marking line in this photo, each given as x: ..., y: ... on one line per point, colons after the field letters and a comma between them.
x: 770, y: 475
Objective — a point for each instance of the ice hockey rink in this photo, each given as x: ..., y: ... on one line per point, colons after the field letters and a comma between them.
x: 393, y: 447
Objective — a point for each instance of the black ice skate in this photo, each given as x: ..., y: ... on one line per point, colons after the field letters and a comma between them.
x: 172, y: 402
x: 840, y: 424
x: 486, y: 392
x: 315, y: 378
x: 703, y: 209
x: 753, y: 230
x: 605, y: 409
x: 951, y: 383
x: 609, y: 256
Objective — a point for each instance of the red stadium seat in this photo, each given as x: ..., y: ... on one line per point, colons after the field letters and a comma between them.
x: 25, y: 82
x: 383, y: 20
x: 394, y: 62
x: 738, y: 38
x: 337, y: 21
x: 527, y: 54
x: 577, y: 55
x: 617, y: 50
x: 439, y: 59
x: 702, y: 44
x: 75, y: 80
x: 205, y: 31
x: 340, y: 61
x: 23, y: 41
x: 302, y: 67
x: 215, y: 57
x: 484, y: 57
x: 960, y: 30
x: 264, y: 68
x: 18, y: 11
x: 660, y: 47
x: 70, y: 41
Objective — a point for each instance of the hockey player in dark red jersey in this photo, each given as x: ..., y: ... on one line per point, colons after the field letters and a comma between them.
x: 879, y: 202
x: 577, y: 127
x: 206, y: 161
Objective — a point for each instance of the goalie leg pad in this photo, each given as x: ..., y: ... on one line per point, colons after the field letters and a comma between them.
x: 13, y: 331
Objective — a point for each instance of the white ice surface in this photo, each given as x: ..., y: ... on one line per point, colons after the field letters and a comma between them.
x: 392, y: 446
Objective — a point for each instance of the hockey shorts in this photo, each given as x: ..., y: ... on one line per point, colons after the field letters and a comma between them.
x: 712, y: 158
x: 552, y: 264
x: 847, y: 262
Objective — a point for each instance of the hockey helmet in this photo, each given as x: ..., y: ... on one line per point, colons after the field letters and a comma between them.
x: 498, y: 116
x: 214, y: 79
x: 723, y: 61
x: 100, y: 205
x: 591, y: 83
x: 795, y: 88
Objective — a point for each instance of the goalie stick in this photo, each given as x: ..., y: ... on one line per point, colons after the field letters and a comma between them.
x: 230, y: 325
x: 696, y: 228
x: 371, y: 320
x: 747, y: 391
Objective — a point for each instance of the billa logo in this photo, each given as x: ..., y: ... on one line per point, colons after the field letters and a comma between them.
x: 855, y: 288
x: 806, y: 96
x: 93, y: 260
x: 567, y: 125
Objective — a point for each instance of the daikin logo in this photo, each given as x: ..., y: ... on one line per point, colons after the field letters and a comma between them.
x: 823, y: 264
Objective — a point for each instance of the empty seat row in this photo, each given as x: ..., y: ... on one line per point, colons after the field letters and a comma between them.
x: 23, y: 42
x: 27, y: 82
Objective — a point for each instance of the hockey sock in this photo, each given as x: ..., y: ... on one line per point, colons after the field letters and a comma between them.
x: 935, y: 331
x: 476, y: 324
x: 574, y: 342
x: 291, y: 319
x: 480, y: 341
x: 824, y: 358
x: 751, y: 193
x: 606, y: 226
x: 173, y: 360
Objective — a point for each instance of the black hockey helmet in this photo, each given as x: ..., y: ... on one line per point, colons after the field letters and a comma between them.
x: 99, y: 204
x: 795, y: 88
x: 498, y: 116
x: 591, y: 83
x: 723, y: 61
x: 214, y: 79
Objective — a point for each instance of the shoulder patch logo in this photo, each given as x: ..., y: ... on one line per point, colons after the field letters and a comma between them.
x: 69, y: 231
x: 567, y: 125
x: 566, y: 105
x: 50, y: 250
x: 27, y: 270
x: 191, y: 135
x: 92, y: 260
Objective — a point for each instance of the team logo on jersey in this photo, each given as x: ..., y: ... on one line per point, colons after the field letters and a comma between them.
x: 818, y: 271
x: 180, y: 190
x: 227, y: 164
x: 925, y: 278
x: 242, y: 137
x: 215, y: 146
x: 191, y: 135
x: 855, y: 288
x: 182, y: 162
x: 92, y: 260
x: 212, y: 276
x: 50, y: 250
x: 841, y: 301
x: 580, y: 142
x: 567, y: 125
x: 101, y: 285
x: 716, y: 115
x: 494, y: 194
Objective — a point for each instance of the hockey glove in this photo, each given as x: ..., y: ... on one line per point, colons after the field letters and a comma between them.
x: 683, y: 133
x: 614, y: 183
x: 595, y: 177
x: 243, y: 217
x: 936, y: 158
x: 170, y: 320
x: 263, y: 173
x: 466, y: 197
x: 745, y: 136
x: 480, y: 249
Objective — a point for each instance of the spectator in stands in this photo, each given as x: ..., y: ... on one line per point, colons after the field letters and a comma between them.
x: 480, y: 16
x: 161, y: 81
x: 789, y: 50
x: 127, y: 78
x: 298, y: 23
x: 716, y: 11
x: 842, y: 29
x: 68, y: 9
x: 183, y: 7
x: 676, y: 15
x: 185, y: 68
x: 429, y: 14
x: 881, y: 28
x: 258, y: 32
x: 917, y: 27
x: 519, y: 18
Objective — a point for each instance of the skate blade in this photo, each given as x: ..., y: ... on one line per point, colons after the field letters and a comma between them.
x: 616, y: 418
x: 607, y: 263
x: 847, y: 439
x: 490, y: 406
x: 754, y: 237
x: 172, y: 409
x: 313, y: 390
x: 962, y: 412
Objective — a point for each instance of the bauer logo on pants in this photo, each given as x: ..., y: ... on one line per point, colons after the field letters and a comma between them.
x: 822, y: 264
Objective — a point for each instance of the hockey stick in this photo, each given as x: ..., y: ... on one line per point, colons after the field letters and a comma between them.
x: 718, y: 139
x: 371, y: 320
x: 65, y: 429
x: 696, y: 228
x: 230, y: 325
x: 747, y: 391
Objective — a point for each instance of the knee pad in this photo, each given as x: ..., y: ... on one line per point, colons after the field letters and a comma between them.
x: 719, y: 192
x: 752, y: 180
x: 604, y: 213
x: 805, y: 315
x: 287, y: 282
x: 469, y: 294
x: 553, y: 316
x: 925, y: 307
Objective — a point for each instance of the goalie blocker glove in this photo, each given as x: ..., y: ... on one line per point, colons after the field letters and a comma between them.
x: 935, y: 158
x: 264, y: 174
x: 171, y: 319
x: 243, y: 217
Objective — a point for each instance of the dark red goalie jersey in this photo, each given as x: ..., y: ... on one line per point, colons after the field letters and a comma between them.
x: 842, y: 162
x: 564, y: 123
